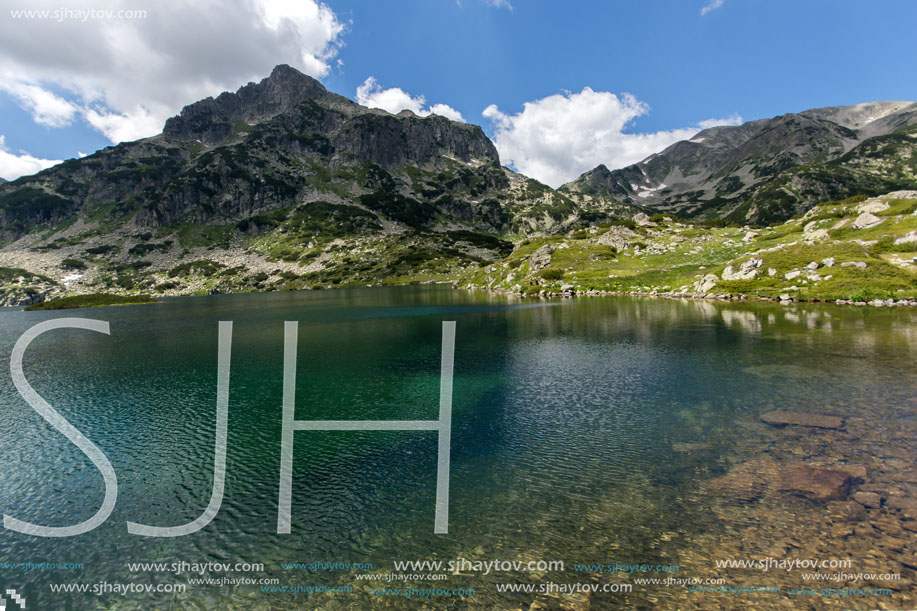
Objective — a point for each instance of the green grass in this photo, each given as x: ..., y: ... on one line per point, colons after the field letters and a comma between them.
x: 676, y: 264
x: 95, y: 300
x: 204, y: 236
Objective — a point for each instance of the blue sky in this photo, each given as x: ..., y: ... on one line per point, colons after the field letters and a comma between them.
x: 63, y: 92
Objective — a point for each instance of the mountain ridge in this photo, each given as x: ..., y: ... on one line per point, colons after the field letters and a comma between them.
x: 720, y: 169
x: 283, y: 185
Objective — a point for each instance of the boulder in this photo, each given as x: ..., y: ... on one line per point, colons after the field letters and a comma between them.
x: 909, y: 237
x: 873, y: 205
x: 749, y: 236
x: 814, y: 483
x: 859, y: 264
x: 705, y: 284
x: 782, y: 418
x: 818, y: 235
x: 620, y: 230
x: 866, y: 220
x: 643, y: 220
x: 747, y: 270
x: 541, y: 258
x: 829, y: 262
x: 614, y: 240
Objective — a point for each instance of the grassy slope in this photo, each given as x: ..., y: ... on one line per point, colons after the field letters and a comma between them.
x: 90, y: 301
x: 673, y: 257
x: 325, y: 245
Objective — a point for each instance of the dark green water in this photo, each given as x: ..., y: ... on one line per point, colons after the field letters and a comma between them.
x: 570, y: 420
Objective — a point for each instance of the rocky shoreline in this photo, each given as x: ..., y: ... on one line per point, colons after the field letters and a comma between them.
x: 570, y: 292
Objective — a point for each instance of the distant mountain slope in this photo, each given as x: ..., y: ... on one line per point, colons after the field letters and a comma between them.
x: 730, y: 171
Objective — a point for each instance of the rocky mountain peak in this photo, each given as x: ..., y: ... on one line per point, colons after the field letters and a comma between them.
x: 211, y: 120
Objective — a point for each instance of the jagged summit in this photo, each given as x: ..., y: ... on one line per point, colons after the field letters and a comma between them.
x: 210, y: 120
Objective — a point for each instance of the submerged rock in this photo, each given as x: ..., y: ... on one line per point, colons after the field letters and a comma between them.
x: 868, y: 499
x: 815, y: 483
x: 751, y: 480
x: 746, y: 482
x: 781, y: 418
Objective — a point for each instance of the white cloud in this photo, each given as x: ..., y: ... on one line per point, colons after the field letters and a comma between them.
x: 557, y: 138
x: 46, y: 107
x: 733, y: 119
x: 13, y: 165
x: 395, y: 99
x: 447, y: 111
x: 122, y: 127
x: 712, y: 5
x: 126, y: 76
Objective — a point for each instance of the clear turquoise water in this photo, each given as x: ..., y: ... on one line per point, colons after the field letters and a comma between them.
x: 564, y: 421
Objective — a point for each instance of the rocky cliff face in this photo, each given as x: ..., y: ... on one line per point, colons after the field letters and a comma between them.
x: 729, y: 171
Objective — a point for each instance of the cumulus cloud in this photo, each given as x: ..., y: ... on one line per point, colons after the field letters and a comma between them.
x: 395, y: 99
x: 557, y: 138
x: 125, y: 75
x: 13, y: 165
x: 45, y: 107
x: 712, y: 5
x: 447, y: 111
